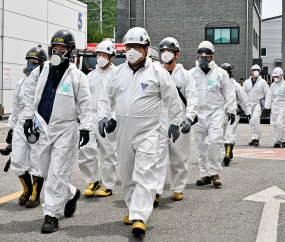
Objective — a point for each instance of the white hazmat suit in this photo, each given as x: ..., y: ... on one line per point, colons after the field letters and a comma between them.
x: 275, y: 100
x: 214, y: 91
x: 255, y: 93
x: 58, y: 142
x: 241, y: 98
x: 88, y: 154
x: 24, y: 154
x: 179, y: 152
x: 137, y: 97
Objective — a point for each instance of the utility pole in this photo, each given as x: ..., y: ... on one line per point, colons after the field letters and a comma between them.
x: 97, y: 10
x: 283, y: 34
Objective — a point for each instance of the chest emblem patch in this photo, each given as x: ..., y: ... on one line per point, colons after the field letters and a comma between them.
x: 255, y: 87
x: 279, y: 91
x: 65, y: 87
x: 211, y: 83
x: 144, y: 85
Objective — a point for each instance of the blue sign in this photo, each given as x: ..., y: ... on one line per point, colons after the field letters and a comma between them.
x: 80, y: 20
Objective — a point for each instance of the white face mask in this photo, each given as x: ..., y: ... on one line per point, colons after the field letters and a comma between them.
x: 102, y: 62
x: 167, y: 57
x: 256, y: 74
x: 133, y: 55
x: 277, y: 79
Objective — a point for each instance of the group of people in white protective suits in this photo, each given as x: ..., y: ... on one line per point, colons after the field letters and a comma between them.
x: 129, y: 115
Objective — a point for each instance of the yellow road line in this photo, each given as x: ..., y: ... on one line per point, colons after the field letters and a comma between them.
x: 10, y: 197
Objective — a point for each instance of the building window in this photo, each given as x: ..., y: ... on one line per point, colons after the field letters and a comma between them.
x: 223, y: 35
x: 255, y: 39
x: 263, y: 52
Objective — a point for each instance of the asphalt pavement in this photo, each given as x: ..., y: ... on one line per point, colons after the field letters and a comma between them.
x: 205, y: 213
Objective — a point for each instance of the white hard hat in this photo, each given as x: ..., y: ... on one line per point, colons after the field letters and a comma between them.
x: 106, y: 47
x: 206, y: 48
x: 169, y: 43
x: 277, y: 71
x: 136, y: 35
x: 255, y: 67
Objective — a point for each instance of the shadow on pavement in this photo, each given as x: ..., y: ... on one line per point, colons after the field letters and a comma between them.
x: 117, y: 228
x: 193, y: 186
x: 120, y: 204
x: 21, y: 226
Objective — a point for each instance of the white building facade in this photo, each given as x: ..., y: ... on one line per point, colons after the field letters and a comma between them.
x: 27, y: 24
x: 271, y: 43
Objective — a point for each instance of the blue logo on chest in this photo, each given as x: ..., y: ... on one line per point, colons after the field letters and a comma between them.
x: 144, y: 85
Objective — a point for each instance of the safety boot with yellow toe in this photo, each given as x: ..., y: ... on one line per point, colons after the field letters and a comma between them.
x: 204, y: 181
x: 127, y: 220
x: 104, y: 192
x: 90, y: 191
x: 138, y: 227
x: 28, y: 188
x: 177, y: 196
x: 216, y: 180
x: 35, y: 199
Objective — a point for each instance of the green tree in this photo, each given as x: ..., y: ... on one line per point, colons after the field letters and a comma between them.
x: 109, y: 17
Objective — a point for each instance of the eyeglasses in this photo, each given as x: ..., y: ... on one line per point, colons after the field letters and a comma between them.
x: 136, y: 47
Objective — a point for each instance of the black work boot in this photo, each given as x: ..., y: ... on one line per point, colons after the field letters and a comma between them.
x: 70, y: 206
x: 251, y: 142
x: 216, y: 180
x: 156, y: 201
x: 138, y: 227
x: 283, y: 144
x: 256, y: 142
x: 35, y: 199
x: 276, y: 145
x: 204, y: 181
x: 50, y: 224
x: 28, y: 188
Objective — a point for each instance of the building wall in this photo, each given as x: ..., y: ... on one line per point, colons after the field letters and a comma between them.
x: 271, y: 38
x: 186, y: 21
x: 256, y: 22
x: 32, y: 22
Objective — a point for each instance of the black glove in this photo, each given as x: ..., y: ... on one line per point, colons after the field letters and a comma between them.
x: 9, y: 136
x: 248, y: 117
x: 232, y: 117
x: 84, y: 136
x: 174, y: 130
x: 239, y: 110
x: 111, y: 126
x: 186, y: 123
x: 28, y: 125
x: 7, y: 166
x: 103, y: 124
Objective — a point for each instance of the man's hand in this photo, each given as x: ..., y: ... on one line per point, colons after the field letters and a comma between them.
x: 111, y: 126
x: 232, y: 117
x: 28, y: 125
x: 9, y: 136
x: 84, y: 137
x: 103, y: 124
x: 174, y: 130
x: 186, y: 123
